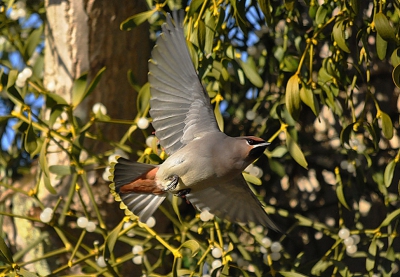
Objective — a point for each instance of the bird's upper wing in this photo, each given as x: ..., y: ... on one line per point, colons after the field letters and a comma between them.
x: 180, y: 107
x: 233, y: 201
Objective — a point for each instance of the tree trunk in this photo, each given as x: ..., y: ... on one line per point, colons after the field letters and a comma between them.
x: 84, y: 36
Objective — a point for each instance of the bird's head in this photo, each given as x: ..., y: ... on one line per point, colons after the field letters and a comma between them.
x: 255, y: 147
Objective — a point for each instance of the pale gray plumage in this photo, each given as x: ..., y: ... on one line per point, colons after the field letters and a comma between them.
x: 180, y: 107
x: 207, y: 161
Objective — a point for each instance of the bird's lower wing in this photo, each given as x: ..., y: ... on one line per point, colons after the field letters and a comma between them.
x: 233, y: 201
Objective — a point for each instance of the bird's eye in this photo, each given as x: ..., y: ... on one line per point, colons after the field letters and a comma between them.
x: 250, y: 141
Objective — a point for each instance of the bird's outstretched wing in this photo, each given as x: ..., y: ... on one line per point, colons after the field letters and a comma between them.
x: 233, y: 201
x: 180, y: 107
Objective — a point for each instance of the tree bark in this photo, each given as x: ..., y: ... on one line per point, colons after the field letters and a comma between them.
x: 84, y: 36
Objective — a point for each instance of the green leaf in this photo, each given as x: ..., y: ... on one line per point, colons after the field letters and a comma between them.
x: 295, y: 151
x: 265, y: 6
x: 175, y: 206
x: 339, y: 35
x: 78, y: 89
x: 370, y: 263
x: 53, y: 99
x: 201, y: 34
x: 33, y: 41
x: 252, y: 179
x: 143, y: 99
x: 192, y: 245
x: 396, y: 75
x: 381, y: 47
x: 389, y: 172
x: 309, y: 98
x: 251, y: 73
x: 354, y: 4
x: 289, y: 4
x: 219, y: 118
x: 383, y: 27
x: 193, y: 54
x: 194, y: 7
x: 345, y: 134
x: 30, y: 138
x: 111, y: 239
x: 12, y: 77
x: 291, y: 274
x: 136, y: 20
x: 279, y: 152
x: 62, y: 170
x: 395, y: 59
x: 321, y: 15
x: 210, y: 31
x: 93, y: 83
x: 5, y: 252
x: 132, y: 80
x: 292, y: 97
x: 45, y: 167
x: 340, y: 193
x: 277, y: 167
x: 79, y: 95
x: 25, y: 273
x: 387, y: 125
x: 393, y: 215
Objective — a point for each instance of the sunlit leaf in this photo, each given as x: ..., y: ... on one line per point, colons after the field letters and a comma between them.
x: 210, y: 31
x: 321, y: 15
x: 383, y: 27
x: 387, y: 125
x: 278, y: 152
x: 33, y: 41
x: 53, y: 99
x: 292, y: 96
x: 338, y: 33
x: 389, y: 172
x: 45, y: 168
x: 395, y: 60
x: 218, y: 117
x: 111, y: 239
x: 340, y: 194
x: 78, y: 89
x: 62, y: 170
x: 143, y: 99
x: 251, y: 73
x: 370, y: 263
x: 175, y: 206
x: 295, y: 151
x: 252, y: 179
x: 192, y: 245
x: 309, y: 98
x: 393, y: 215
x: 136, y: 20
x: 30, y: 138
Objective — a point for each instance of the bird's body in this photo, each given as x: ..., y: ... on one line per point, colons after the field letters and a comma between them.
x: 204, y: 164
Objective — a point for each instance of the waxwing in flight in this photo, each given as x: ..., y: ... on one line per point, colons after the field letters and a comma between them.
x: 204, y: 165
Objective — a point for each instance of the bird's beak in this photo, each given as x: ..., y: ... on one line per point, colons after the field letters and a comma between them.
x: 257, y: 149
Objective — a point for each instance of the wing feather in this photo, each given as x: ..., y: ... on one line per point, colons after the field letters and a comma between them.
x: 219, y: 199
x: 180, y: 107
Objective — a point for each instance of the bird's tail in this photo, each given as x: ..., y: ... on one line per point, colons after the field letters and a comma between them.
x: 124, y: 172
